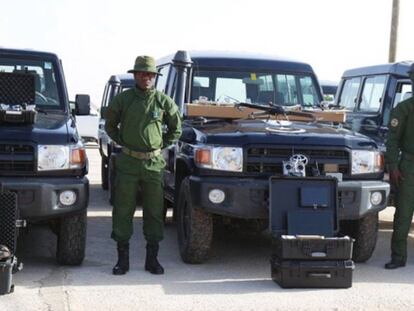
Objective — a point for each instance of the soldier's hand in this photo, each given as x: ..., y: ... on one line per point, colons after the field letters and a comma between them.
x: 395, y: 177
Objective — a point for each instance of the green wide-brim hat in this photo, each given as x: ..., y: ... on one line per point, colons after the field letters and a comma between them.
x: 144, y: 64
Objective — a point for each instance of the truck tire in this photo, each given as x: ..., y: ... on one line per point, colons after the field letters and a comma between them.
x: 195, y: 228
x: 104, y: 173
x: 71, y: 239
x: 365, y: 232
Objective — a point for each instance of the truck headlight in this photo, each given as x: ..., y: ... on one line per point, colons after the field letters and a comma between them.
x: 60, y: 157
x: 365, y: 162
x: 219, y: 158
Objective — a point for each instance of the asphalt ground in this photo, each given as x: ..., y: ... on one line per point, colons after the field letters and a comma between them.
x: 237, y: 277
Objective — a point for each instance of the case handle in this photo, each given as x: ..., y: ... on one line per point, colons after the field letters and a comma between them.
x: 320, y: 275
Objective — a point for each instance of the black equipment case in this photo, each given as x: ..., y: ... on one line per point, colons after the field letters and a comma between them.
x: 8, y: 238
x: 303, y: 205
x: 289, y: 247
x: 312, y: 274
x: 17, y: 92
x: 6, y: 270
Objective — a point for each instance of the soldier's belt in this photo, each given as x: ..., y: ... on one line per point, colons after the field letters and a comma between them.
x: 141, y: 155
x: 408, y: 156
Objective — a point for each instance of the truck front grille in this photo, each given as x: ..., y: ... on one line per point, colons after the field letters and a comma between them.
x: 16, y: 159
x: 270, y: 159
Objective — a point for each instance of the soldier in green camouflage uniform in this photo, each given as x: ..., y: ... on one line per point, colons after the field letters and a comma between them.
x: 400, y: 160
x: 135, y: 120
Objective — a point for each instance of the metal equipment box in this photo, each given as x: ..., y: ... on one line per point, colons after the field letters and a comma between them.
x: 312, y: 274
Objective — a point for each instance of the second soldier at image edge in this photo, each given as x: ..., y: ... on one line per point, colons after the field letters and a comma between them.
x: 400, y: 160
x: 136, y: 120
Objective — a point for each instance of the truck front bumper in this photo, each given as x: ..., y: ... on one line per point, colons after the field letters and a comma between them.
x: 249, y: 198
x: 38, y: 197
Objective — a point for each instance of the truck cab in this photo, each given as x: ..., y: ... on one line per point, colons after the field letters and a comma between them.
x: 370, y: 93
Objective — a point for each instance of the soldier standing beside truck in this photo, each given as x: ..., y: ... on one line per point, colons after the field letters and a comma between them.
x: 141, y: 113
x: 400, y: 159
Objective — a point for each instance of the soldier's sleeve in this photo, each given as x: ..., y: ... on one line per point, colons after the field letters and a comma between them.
x: 173, y: 122
x: 395, y: 132
x: 113, y: 118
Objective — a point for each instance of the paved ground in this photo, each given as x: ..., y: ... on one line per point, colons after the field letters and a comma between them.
x: 236, y: 278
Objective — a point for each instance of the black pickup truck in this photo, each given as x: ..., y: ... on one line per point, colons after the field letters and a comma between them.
x: 219, y: 170
x: 42, y: 158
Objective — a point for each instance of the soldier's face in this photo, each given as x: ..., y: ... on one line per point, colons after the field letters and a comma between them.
x: 145, y: 80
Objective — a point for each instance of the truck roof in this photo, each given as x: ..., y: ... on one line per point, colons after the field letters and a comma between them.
x: 123, y: 78
x: 241, y: 60
x: 27, y: 52
x: 399, y: 69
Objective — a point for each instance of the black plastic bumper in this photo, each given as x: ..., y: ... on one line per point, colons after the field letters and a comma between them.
x: 249, y: 198
x: 38, y: 197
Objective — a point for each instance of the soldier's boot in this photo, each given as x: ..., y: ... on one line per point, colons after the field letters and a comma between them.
x: 394, y: 264
x: 151, y: 262
x: 122, y: 266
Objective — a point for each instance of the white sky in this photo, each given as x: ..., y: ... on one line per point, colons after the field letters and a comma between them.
x: 97, y: 38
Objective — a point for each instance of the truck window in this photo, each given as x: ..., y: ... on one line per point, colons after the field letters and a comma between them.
x: 372, y: 93
x: 161, y: 84
x: 46, y: 87
x: 349, y: 93
x: 254, y: 87
x: 403, y: 92
x: 230, y: 90
x: 287, y: 89
x: 309, y: 94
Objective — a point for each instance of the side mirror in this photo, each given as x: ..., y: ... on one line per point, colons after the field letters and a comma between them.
x: 82, y: 104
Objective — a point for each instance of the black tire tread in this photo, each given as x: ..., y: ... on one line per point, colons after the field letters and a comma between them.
x: 365, y: 232
x: 72, y: 240
x: 196, y: 249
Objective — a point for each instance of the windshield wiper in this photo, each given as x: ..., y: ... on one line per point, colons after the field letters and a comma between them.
x: 276, y: 110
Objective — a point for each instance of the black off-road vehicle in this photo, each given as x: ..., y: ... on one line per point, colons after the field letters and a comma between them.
x: 42, y: 158
x: 237, y: 133
x: 370, y: 93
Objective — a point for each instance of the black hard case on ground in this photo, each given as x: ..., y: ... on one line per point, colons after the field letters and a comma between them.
x: 307, y: 204
x: 289, y: 247
x: 6, y: 270
x: 8, y: 237
x: 8, y: 218
x: 312, y: 274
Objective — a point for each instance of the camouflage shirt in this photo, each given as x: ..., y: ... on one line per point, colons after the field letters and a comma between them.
x: 135, y: 119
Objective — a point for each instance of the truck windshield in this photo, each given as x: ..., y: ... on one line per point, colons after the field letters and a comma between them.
x: 47, y: 95
x: 230, y: 87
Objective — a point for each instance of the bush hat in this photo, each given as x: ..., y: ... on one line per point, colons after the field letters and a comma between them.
x: 144, y: 64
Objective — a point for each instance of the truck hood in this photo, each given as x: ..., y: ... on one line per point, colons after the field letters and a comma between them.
x: 48, y: 128
x: 247, y: 132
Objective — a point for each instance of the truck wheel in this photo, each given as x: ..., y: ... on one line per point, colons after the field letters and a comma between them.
x: 71, y: 239
x: 111, y: 179
x: 104, y: 173
x: 194, y: 226
x: 365, y: 232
